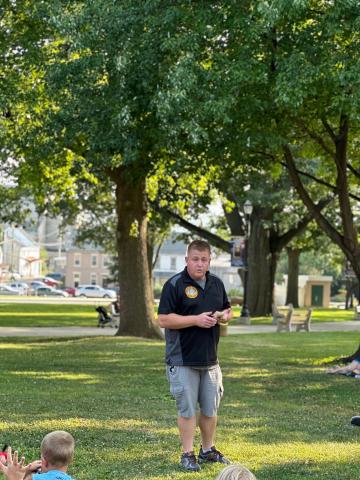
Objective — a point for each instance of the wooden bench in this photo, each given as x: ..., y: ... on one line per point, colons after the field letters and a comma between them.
x: 295, y: 318
x: 301, y: 320
x: 279, y: 313
x: 357, y: 313
x: 283, y: 320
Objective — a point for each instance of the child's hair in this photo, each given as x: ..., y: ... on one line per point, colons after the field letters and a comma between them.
x: 235, y: 472
x: 57, y: 448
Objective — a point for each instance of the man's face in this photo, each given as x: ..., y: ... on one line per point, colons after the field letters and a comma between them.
x: 197, y: 262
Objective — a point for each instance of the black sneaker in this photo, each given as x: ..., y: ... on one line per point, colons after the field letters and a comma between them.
x: 212, y: 456
x: 188, y: 462
x: 355, y: 421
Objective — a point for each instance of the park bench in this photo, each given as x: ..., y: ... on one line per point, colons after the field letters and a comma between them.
x: 357, y: 313
x: 279, y: 313
x: 301, y: 320
x: 295, y: 318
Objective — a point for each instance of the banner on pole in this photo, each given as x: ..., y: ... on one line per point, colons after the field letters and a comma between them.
x: 238, y: 252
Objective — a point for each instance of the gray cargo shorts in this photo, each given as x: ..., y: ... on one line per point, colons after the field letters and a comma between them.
x: 191, y: 386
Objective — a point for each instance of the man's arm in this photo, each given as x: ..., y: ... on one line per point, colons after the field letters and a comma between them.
x: 176, y: 322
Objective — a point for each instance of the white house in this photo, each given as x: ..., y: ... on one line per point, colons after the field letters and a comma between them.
x: 20, y: 255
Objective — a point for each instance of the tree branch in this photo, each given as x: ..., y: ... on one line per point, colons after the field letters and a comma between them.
x: 318, y: 139
x: 319, y: 181
x: 323, y: 223
x: 353, y: 170
x: 329, y: 130
x: 281, y: 241
x: 213, y: 239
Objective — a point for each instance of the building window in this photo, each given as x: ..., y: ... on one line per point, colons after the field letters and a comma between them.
x: 94, y: 260
x: 172, y: 263
x: 77, y: 260
x: 76, y: 279
x: 93, y: 279
x: 105, y: 260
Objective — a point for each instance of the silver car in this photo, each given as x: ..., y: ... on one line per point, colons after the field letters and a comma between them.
x: 21, y: 287
x: 50, y: 291
x: 6, y: 290
x: 94, y: 291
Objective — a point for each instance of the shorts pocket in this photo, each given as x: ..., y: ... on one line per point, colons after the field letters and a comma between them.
x: 176, y: 390
x: 219, y: 396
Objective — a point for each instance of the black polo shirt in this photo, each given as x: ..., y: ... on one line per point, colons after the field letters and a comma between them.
x: 192, y: 346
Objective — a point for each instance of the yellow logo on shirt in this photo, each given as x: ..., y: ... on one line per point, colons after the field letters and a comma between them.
x: 191, y: 292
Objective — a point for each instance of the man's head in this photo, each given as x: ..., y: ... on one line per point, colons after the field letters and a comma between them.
x: 57, y: 449
x: 198, y: 259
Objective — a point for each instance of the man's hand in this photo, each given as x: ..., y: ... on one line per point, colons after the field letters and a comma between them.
x: 224, y: 316
x: 14, y: 469
x: 205, y: 320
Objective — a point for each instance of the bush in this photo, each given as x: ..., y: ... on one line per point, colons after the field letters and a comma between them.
x: 235, y: 292
x: 157, y: 291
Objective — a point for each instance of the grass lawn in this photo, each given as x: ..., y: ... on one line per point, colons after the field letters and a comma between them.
x: 47, y: 315
x: 319, y: 315
x: 63, y: 314
x: 281, y: 415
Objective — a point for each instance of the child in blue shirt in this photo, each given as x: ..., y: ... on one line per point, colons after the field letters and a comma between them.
x: 57, y: 451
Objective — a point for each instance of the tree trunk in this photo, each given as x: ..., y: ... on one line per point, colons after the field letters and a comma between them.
x: 292, y: 292
x: 137, y: 310
x: 262, y: 266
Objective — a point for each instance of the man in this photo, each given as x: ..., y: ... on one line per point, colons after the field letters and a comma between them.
x: 192, y: 304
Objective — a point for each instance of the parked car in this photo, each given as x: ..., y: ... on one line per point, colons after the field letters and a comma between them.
x: 36, y: 284
x: 51, y: 282
x: 95, y: 291
x: 6, y: 290
x: 56, y: 276
x: 72, y: 291
x: 21, y: 287
x: 50, y: 291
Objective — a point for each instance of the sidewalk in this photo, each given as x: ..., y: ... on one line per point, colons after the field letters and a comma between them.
x: 350, y: 326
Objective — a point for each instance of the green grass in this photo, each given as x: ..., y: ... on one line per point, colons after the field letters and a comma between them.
x: 47, y: 315
x: 63, y: 314
x: 281, y: 415
x: 319, y: 315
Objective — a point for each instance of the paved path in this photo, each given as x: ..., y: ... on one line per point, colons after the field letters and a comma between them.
x: 353, y: 325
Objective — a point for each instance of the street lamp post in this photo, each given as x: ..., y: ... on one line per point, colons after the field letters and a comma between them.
x: 245, y: 314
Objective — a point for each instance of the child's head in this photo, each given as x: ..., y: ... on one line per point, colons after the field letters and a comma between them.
x: 57, y: 448
x: 235, y: 472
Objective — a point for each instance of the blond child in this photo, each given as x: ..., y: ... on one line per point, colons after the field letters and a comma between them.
x: 235, y: 472
x: 57, y: 451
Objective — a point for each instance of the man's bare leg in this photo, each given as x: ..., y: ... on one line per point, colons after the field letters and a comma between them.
x: 187, y: 427
x: 207, y: 428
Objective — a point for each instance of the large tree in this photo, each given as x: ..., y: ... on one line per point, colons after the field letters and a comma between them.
x: 91, y: 119
x: 283, y: 81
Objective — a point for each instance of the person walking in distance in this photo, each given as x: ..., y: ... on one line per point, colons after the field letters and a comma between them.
x: 192, y: 305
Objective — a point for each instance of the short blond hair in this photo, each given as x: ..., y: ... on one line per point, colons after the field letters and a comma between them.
x: 57, y: 448
x: 200, y: 245
x: 235, y: 472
